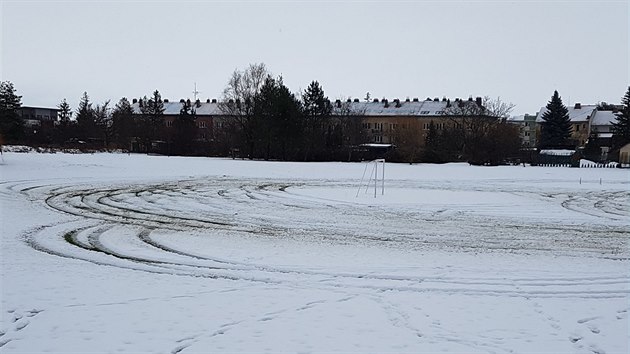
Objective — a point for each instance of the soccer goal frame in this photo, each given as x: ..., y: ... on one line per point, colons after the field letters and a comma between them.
x: 374, y: 179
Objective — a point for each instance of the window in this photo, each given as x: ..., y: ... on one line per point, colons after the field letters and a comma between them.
x: 577, y: 128
x: 439, y: 112
x: 527, y: 124
x: 202, y: 124
x: 424, y: 112
x: 378, y: 139
x: 169, y: 123
x: 425, y: 126
x: 526, y: 133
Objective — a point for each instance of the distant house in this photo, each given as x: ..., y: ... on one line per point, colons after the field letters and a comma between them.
x: 38, y: 116
x: 205, y: 114
x: 527, y: 129
x: 580, y: 116
x: 384, y: 121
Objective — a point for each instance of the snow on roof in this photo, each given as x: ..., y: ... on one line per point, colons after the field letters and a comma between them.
x: 173, y: 108
x: 420, y: 108
x: 603, y: 118
x: 557, y: 152
x: 575, y: 114
x: 377, y: 145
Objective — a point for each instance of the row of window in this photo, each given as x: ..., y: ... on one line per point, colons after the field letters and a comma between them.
x: 201, y: 124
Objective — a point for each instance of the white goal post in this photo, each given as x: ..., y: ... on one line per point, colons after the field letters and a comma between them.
x: 374, y: 179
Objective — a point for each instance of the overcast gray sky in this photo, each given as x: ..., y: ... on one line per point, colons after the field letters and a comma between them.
x: 519, y: 50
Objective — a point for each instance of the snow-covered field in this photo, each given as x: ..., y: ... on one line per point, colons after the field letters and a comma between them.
x: 134, y: 253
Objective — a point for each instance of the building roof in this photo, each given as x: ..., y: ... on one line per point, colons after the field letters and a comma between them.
x: 582, y: 114
x: 603, y: 118
x: 173, y: 108
x: 394, y: 108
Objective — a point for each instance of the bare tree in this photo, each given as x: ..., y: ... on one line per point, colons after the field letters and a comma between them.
x: 474, y: 128
x: 238, y: 103
x: 346, y: 127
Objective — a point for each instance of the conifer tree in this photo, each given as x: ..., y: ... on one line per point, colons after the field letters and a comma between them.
x: 85, y: 117
x: 432, y: 145
x: 11, y: 124
x: 65, y: 113
x: 185, y: 130
x: 317, y: 112
x: 153, y: 112
x: 63, y: 129
x: 621, y: 126
x: 556, y: 126
x: 123, y: 123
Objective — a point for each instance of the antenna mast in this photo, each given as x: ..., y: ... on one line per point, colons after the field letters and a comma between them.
x: 195, y: 92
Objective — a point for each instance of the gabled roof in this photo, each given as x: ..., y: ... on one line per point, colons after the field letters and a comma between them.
x: 603, y: 118
x: 582, y: 114
x: 173, y: 108
x: 401, y: 108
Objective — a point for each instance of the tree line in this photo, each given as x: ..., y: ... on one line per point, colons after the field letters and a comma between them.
x: 260, y: 118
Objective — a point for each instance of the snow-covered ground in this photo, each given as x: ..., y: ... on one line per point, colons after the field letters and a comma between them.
x: 134, y: 253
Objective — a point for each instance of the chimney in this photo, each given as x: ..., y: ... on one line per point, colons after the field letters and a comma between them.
x: 214, y: 100
x: 578, y: 105
x: 338, y: 103
x: 386, y: 103
x: 349, y: 100
x: 469, y: 98
x: 443, y: 98
x: 397, y: 102
x: 415, y: 99
x: 230, y: 101
x: 428, y: 99
x: 375, y: 100
x: 134, y: 101
x: 356, y: 100
x: 166, y: 100
x: 182, y: 101
x: 436, y: 99
x: 407, y: 99
x: 479, y: 101
x: 208, y: 100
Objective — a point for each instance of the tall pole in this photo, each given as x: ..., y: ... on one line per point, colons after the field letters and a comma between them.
x: 195, y: 92
x: 375, y: 176
x: 383, y: 180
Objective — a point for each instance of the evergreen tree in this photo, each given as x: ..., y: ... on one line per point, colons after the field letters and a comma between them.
x: 153, y: 116
x: 556, y: 126
x: 123, y: 123
x: 185, y: 130
x: 65, y: 113
x: 278, y: 120
x: 85, y: 117
x: 432, y: 145
x: 317, y: 112
x: 63, y: 131
x: 621, y: 127
x: 103, y: 122
x: 11, y: 123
